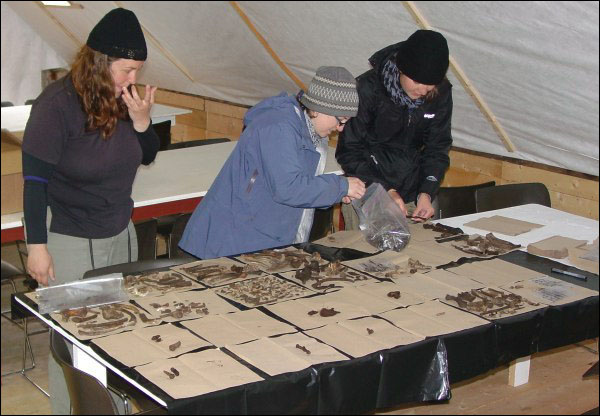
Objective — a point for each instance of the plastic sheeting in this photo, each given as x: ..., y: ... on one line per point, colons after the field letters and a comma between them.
x: 534, y: 63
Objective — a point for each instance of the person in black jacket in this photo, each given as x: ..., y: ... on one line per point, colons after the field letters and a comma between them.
x: 401, y: 135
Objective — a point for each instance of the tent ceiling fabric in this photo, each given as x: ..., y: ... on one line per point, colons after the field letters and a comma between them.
x: 534, y: 63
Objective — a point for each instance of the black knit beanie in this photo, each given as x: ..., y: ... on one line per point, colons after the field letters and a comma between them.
x: 424, y: 57
x: 119, y: 35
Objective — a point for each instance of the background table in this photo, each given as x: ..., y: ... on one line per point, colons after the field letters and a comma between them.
x: 174, y: 183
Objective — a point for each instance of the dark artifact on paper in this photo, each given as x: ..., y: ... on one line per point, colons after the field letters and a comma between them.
x: 396, y: 294
x: 66, y: 315
x: 218, y: 274
x: 444, y: 230
x: 174, y: 371
x: 273, y: 260
x: 171, y: 375
x: 173, y: 347
x: 261, y: 290
x: 485, y: 246
x: 302, y: 348
x: 490, y: 302
x: 326, y: 313
x: 79, y: 320
x: 370, y: 331
x: 152, y: 282
x: 156, y: 338
x: 325, y: 276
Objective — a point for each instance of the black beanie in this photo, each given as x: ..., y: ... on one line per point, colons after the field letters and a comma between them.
x: 119, y: 35
x: 424, y: 57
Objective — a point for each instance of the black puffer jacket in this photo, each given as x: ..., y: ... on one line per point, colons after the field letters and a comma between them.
x: 383, y: 144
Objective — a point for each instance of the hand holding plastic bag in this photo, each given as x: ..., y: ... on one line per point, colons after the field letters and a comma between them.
x: 381, y: 220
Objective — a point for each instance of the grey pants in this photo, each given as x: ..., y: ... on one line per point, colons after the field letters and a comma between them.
x: 72, y: 257
x: 351, y: 221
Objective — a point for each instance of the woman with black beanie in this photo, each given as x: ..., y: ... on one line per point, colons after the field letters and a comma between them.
x: 401, y: 136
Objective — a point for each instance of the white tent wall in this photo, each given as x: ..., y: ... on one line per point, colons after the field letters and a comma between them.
x: 535, y: 64
x: 24, y: 55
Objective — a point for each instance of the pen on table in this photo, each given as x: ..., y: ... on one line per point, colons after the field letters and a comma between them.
x: 566, y: 273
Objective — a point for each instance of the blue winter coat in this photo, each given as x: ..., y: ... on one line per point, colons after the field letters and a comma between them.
x: 256, y: 201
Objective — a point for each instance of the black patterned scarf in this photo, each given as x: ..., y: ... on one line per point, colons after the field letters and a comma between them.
x: 391, y: 81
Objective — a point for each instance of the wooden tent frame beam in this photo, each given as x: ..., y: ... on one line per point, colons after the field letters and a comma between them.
x: 266, y: 45
x: 59, y: 24
x: 464, y: 80
x: 166, y: 53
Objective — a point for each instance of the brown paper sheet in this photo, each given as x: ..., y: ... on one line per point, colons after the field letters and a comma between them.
x: 237, y: 328
x: 199, y: 373
x: 138, y: 347
x: 222, y: 271
x: 449, y: 316
x: 503, y: 225
x: 174, y: 307
x: 577, y: 259
x: 286, y: 353
x: 549, y: 291
x: 348, y: 239
x: 262, y: 290
x: 392, y: 292
x: 360, y: 337
x: 418, y: 233
x: 415, y: 323
x: 556, y: 247
x: 311, y: 313
x: 458, y: 282
x: 423, y: 286
x: 494, y: 272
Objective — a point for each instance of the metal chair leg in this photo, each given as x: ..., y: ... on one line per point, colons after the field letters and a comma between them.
x: 26, y: 344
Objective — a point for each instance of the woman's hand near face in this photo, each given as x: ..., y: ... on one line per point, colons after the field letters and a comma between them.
x: 139, y: 109
x: 39, y: 263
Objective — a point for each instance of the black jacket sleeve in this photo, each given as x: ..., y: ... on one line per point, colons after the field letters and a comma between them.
x: 36, y: 174
x: 352, y: 152
x: 150, y: 144
x: 437, y: 140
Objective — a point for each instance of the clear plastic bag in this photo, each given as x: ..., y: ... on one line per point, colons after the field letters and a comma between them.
x: 381, y: 220
x: 88, y: 292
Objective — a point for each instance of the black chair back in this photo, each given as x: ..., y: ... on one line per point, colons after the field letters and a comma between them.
x: 322, y: 224
x: 7, y: 104
x: 146, y: 238
x: 88, y: 395
x: 176, y: 234
x: 9, y: 271
x: 194, y: 143
x: 163, y: 131
x: 504, y: 196
x: 457, y: 200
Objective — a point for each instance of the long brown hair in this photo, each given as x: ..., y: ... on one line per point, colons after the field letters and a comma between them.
x: 95, y: 86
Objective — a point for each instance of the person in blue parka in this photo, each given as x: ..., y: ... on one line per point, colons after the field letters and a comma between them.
x: 266, y: 193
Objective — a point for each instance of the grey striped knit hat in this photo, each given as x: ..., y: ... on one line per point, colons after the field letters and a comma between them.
x: 333, y: 92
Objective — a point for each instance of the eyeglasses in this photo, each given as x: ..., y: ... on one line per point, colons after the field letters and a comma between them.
x: 342, y: 122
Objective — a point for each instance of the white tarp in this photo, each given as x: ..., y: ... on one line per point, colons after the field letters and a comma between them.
x: 534, y: 63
